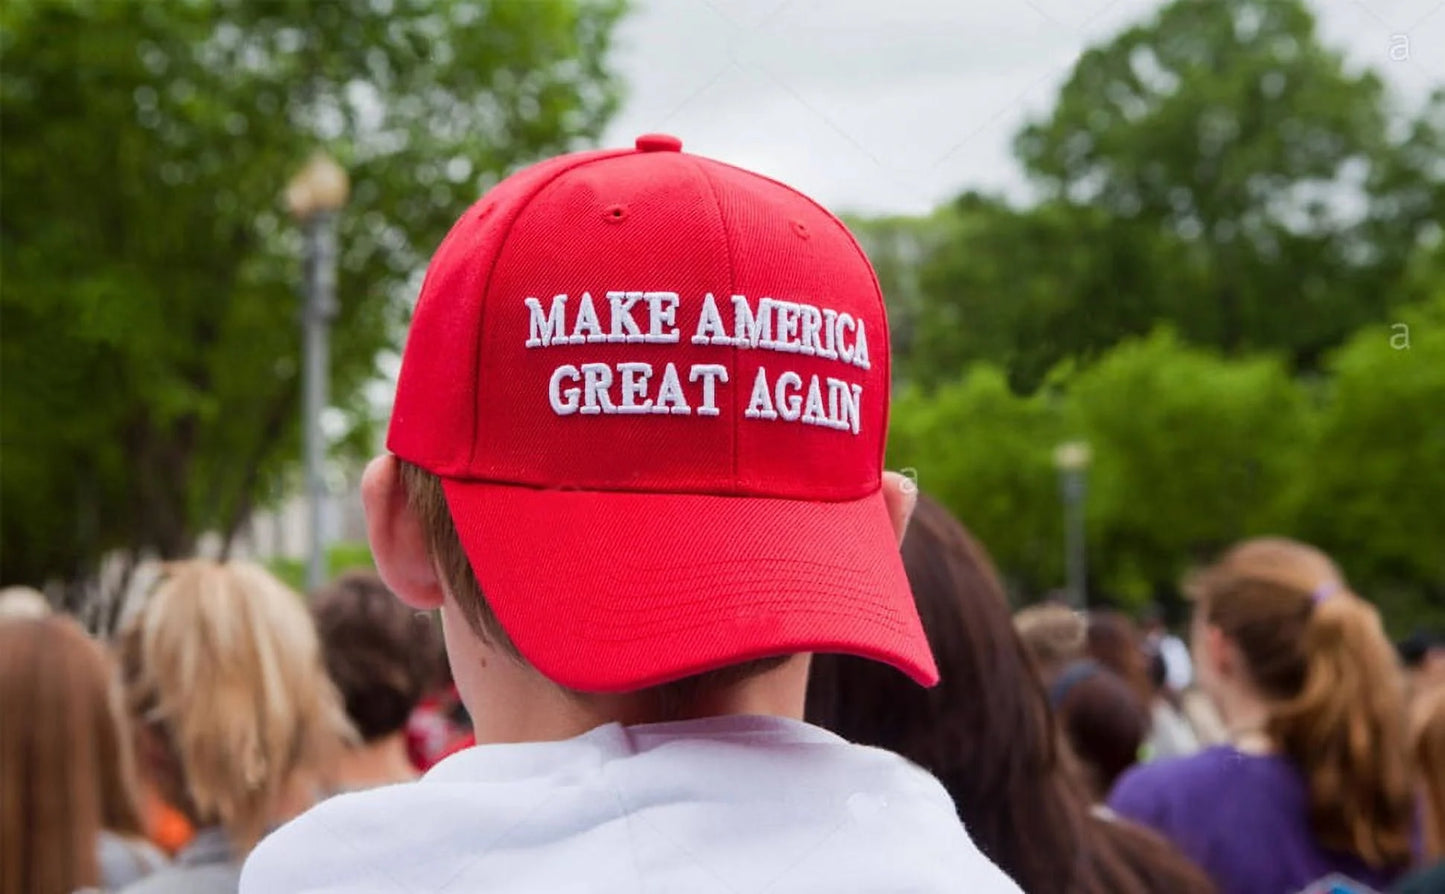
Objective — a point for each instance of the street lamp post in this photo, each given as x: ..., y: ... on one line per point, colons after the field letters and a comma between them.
x: 1072, y: 460
x: 314, y: 196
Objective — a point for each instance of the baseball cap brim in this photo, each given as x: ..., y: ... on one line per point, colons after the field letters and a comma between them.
x: 618, y: 591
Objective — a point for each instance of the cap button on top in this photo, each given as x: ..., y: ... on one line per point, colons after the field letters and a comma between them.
x: 658, y: 142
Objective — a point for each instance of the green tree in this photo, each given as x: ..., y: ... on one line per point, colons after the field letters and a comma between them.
x: 898, y: 247
x: 1227, y: 124
x: 1215, y: 168
x: 986, y: 453
x: 1026, y: 288
x: 1372, y: 487
x: 149, y: 296
x: 1193, y: 451
x: 1406, y: 214
x: 1190, y: 452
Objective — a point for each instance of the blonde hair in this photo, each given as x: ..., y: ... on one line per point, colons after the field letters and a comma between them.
x: 1319, y: 656
x: 1427, y: 737
x: 223, y: 665
x: 66, y: 768
x: 1054, y: 634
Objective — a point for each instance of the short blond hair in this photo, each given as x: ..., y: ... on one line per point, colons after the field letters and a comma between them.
x: 223, y: 664
x: 1054, y: 634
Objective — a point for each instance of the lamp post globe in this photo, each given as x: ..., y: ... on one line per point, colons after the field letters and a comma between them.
x: 1072, y: 456
x: 321, y: 186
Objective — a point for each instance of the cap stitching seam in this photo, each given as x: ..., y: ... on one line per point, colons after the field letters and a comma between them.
x: 877, y: 290
x: 520, y: 208
x: 728, y: 244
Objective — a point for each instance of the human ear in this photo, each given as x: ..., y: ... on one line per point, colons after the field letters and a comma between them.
x: 900, y: 494
x: 1220, y: 651
x: 398, y: 541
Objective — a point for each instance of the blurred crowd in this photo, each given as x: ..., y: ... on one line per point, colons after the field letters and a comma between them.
x: 224, y: 707
x: 1281, y: 737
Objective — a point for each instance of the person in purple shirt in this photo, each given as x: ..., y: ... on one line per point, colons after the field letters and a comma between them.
x: 1313, y: 792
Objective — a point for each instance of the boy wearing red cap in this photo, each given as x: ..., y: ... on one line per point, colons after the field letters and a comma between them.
x: 636, y: 462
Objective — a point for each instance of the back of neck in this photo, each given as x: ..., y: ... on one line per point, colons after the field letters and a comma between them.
x: 380, y: 762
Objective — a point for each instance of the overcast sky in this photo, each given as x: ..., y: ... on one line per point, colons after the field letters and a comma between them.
x: 893, y: 106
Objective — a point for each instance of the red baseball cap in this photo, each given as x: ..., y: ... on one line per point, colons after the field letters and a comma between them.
x: 655, y: 388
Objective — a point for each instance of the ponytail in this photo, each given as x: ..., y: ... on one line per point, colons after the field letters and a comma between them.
x: 1428, y: 749
x: 1344, y: 731
x: 1319, y: 656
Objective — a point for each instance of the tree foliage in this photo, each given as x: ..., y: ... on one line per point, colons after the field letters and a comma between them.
x: 897, y: 247
x: 1228, y: 222
x: 1193, y: 451
x: 987, y: 453
x: 150, y: 293
x: 1376, y: 471
x: 1232, y: 126
x: 1025, y: 288
x: 1216, y: 168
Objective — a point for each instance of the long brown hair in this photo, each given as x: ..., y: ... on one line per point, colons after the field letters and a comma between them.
x: 65, y: 760
x: 1114, y: 641
x: 986, y: 731
x: 1317, y: 653
x: 1103, y: 720
x: 223, y: 673
x: 1427, y: 737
